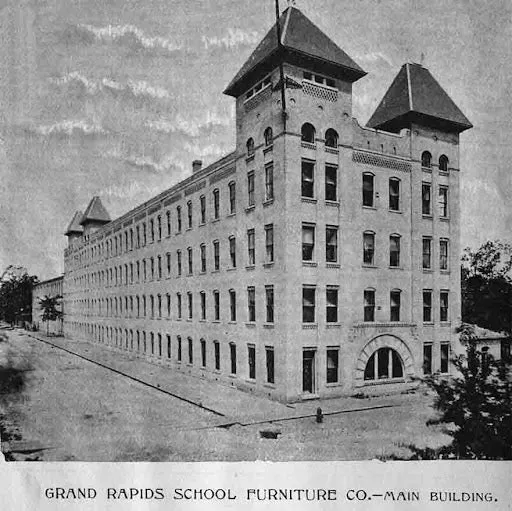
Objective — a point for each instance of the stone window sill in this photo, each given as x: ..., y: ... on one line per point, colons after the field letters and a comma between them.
x: 268, y: 202
x: 309, y: 264
x: 309, y: 326
x: 309, y: 200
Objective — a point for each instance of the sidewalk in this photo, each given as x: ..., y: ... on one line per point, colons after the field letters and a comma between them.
x: 229, y: 404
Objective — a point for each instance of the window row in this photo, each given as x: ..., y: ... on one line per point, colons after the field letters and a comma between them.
x: 426, y: 161
x: 153, y: 268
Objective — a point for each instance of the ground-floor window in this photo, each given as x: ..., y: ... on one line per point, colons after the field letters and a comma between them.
x: 333, y: 365
x: 427, y: 358
x: 308, y: 371
x: 445, y: 355
x: 385, y: 363
x: 269, y: 354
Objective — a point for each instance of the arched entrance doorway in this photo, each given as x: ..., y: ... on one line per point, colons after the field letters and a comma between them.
x: 386, y: 358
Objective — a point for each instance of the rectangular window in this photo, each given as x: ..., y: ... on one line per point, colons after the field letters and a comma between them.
x: 190, y: 351
x: 202, y: 294
x: 308, y: 304
x: 394, y: 305
x: 427, y: 253
x: 178, y: 261
x: 426, y: 200
x: 269, y: 243
x: 331, y: 183
x: 394, y: 194
x: 308, y: 179
x: 189, y: 214
x: 269, y: 181
x: 443, y: 202
x: 368, y: 190
x: 232, y: 197
x: 203, y: 258
x: 269, y: 296
x: 331, y: 301
x: 232, y: 304
x: 168, y: 221
x: 168, y: 296
x: 232, y: 251
x: 308, y: 242
x: 202, y: 204
x: 190, y: 305
x: 445, y: 356
x: 251, y: 304
x: 427, y: 306
x: 203, y: 353
x: 178, y: 218
x: 216, y: 352
x: 168, y: 255
x: 178, y: 304
x: 232, y: 356
x: 443, y: 305
x: 369, y: 305
x: 332, y: 370
x: 269, y: 358
x: 168, y: 346
x: 216, y: 204
x: 159, y: 267
x: 216, y: 306
x: 331, y: 244
x: 443, y: 254
x: 250, y: 189
x: 427, y: 358
x: 251, y: 360
x: 190, y: 260
x: 369, y: 248
x: 216, y: 255
x: 179, y: 348
x: 251, y: 249
x: 394, y: 251
x: 159, y: 306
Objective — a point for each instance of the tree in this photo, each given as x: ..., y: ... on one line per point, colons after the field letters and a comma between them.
x: 478, y: 402
x: 16, y: 298
x: 51, y: 312
x: 487, y: 286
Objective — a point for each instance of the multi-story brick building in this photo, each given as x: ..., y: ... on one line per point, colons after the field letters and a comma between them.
x: 48, y: 288
x: 320, y: 258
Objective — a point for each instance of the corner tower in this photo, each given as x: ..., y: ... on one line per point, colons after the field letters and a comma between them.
x: 94, y: 217
x: 74, y: 230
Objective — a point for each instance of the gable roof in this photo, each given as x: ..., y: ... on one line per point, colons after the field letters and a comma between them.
x: 300, y: 38
x: 416, y: 96
x: 95, y: 212
x: 74, y: 226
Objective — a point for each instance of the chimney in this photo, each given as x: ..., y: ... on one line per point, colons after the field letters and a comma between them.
x: 197, y: 165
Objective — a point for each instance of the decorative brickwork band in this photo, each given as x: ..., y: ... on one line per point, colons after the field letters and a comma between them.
x: 317, y: 91
x: 221, y: 175
x: 380, y: 161
x: 256, y: 100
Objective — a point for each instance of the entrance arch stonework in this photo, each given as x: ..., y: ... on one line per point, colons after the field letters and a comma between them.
x: 384, y: 341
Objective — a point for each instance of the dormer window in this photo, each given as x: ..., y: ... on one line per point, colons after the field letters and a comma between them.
x: 250, y: 147
x: 308, y: 133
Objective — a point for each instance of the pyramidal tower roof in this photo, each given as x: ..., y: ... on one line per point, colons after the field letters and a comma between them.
x: 74, y: 226
x: 416, y: 96
x: 302, y: 41
x: 95, y: 212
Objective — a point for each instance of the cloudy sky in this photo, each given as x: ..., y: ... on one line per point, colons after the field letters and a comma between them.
x: 117, y: 97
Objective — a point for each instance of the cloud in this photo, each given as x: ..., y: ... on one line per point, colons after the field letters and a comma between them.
x: 191, y: 127
x: 129, y: 190
x: 70, y: 128
x: 375, y: 57
x: 153, y: 165
x: 207, y: 151
x: 129, y: 36
x: 234, y: 37
x: 130, y: 90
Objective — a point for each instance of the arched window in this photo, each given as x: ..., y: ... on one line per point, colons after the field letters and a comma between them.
x: 384, y: 364
x: 331, y: 138
x: 308, y: 133
x: 268, y: 136
x: 250, y: 147
x: 426, y: 160
x: 443, y: 163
